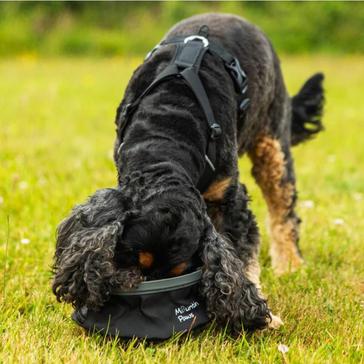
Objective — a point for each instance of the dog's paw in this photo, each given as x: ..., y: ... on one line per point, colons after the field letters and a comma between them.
x: 288, y: 264
x: 275, y: 323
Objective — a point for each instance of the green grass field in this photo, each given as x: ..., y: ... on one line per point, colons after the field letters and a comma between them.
x: 56, y: 140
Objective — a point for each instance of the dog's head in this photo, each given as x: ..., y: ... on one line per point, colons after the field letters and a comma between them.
x: 107, y: 242
x: 162, y: 240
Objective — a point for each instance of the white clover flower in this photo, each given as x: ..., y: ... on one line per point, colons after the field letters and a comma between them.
x: 283, y: 348
x: 23, y: 185
x: 358, y: 196
x: 308, y: 204
x: 338, y: 221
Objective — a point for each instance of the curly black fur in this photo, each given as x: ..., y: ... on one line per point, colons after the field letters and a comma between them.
x: 156, y: 207
x: 230, y: 296
x: 85, y: 270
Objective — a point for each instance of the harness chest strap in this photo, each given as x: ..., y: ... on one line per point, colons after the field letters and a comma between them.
x: 186, y: 64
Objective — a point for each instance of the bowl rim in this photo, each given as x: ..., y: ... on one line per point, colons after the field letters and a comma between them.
x: 162, y: 285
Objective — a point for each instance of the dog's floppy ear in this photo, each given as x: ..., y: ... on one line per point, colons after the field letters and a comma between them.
x: 230, y: 297
x: 84, y: 268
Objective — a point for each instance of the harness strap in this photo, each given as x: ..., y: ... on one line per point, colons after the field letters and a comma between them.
x: 170, y: 71
x: 186, y: 64
x: 190, y: 54
x: 196, y: 86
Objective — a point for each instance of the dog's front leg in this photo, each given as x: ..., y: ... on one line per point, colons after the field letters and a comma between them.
x: 227, y: 202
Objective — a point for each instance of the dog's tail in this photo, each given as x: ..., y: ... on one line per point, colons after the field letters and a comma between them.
x: 307, y: 110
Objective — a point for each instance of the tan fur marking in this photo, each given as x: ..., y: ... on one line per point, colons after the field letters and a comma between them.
x: 146, y: 259
x: 178, y: 269
x: 216, y: 217
x: 252, y: 272
x: 283, y: 251
x: 217, y: 190
x: 269, y: 171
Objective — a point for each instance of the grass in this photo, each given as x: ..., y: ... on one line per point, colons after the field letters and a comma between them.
x: 56, y: 139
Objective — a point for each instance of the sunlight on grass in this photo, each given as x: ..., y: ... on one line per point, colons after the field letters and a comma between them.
x: 56, y: 140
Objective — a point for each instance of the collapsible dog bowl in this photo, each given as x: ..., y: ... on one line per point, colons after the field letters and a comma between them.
x: 154, y: 310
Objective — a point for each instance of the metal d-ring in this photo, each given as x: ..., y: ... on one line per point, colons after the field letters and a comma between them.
x: 199, y: 37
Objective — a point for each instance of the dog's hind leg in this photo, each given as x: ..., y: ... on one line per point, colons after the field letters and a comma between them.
x: 274, y: 173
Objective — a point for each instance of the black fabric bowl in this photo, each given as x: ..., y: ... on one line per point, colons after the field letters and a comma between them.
x: 154, y: 310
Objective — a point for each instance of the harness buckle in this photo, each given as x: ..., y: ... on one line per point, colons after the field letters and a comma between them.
x: 208, y: 161
x: 244, y: 104
x: 215, y: 131
x: 197, y: 37
x: 239, y: 75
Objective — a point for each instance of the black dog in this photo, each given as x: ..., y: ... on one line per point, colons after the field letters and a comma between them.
x: 157, y: 223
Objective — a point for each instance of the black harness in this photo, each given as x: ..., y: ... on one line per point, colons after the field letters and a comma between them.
x: 185, y: 64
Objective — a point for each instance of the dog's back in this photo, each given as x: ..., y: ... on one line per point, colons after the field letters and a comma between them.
x: 250, y: 46
x: 266, y: 90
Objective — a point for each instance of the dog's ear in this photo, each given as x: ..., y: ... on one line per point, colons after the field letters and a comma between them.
x: 230, y: 297
x: 84, y: 268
